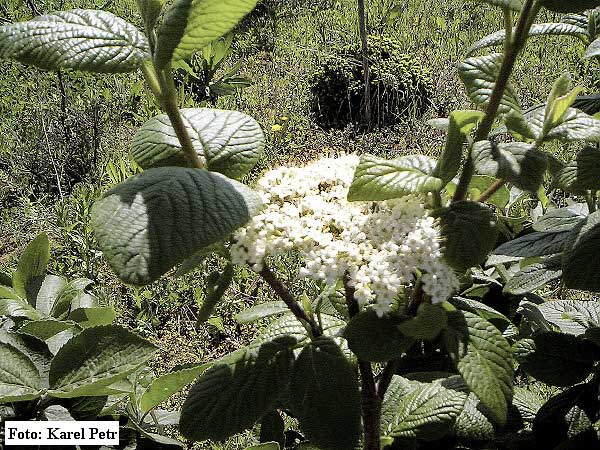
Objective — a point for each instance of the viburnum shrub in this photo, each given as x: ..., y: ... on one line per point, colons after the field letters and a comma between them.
x: 430, y: 329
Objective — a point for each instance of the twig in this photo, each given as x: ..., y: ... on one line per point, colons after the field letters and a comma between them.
x: 33, y: 8
x: 491, y: 190
x: 284, y: 293
x: 528, y: 13
x: 370, y: 401
x: 386, y: 378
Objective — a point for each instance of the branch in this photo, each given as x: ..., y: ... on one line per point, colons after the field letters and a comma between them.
x: 284, y: 293
x: 370, y: 401
x: 386, y: 378
x: 528, y: 13
x: 491, y: 191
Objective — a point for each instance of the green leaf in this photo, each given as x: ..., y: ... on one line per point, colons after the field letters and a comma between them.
x: 488, y: 313
x: 20, y: 379
x: 32, y: 263
x: 230, y: 142
x: 538, y: 243
x: 428, y: 323
x: 262, y: 311
x: 376, y: 339
x: 190, y: 25
x: 427, y: 411
x: 381, y: 179
x: 581, y: 264
x: 237, y: 391
x: 471, y: 423
x: 562, y: 219
x: 325, y: 396
x: 515, y: 5
x: 96, y: 358
x: 17, y: 307
x: 478, y: 185
x: 158, y: 218
x: 593, y: 50
x: 527, y: 403
x: 537, y: 29
x: 470, y: 233
x: 581, y: 173
x: 163, y: 387
x: 461, y: 123
x: 50, y: 290
x: 569, y: 6
x: 556, y: 359
x: 571, y: 316
x: 576, y: 126
x: 44, y: 329
x: 92, y: 317
x: 71, y: 296
x: 564, y: 419
x: 483, y: 358
x: 534, y: 276
x: 519, y: 163
x: 90, y: 40
x: 479, y: 77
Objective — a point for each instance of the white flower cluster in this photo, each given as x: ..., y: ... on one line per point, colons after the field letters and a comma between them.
x: 379, y: 244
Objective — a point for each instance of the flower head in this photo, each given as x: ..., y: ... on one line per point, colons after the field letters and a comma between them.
x: 380, y: 245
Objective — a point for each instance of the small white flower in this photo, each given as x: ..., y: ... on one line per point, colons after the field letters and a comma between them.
x: 381, y: 245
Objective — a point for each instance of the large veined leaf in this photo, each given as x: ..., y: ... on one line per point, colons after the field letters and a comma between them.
x: 471, y: 423
x: 237, y: 391
x: 32, y: 264
x: 564, y: 420
x: 483, y: 357
x: 569, y: 6
x: 538, y: 243
x: 581, y: 264
x: 374, y: 338
x: 163, y: 387
x: 427, y: 324
x: 562, y: 219
x: 589, y: 104
x: 534, y: 276
x: 515, y: 5
x: 571, y: 316
x: 426, y: 411
x: 382, y: 179
x: 576, y: 126
x: 527, y: 403
x: 190, y: 25
x: 325, y: 397
x: 80, y: 39
x: 479, y: 76
x: 593, y: 51
x: 96, y: 358
x: 50, y: 290
x: 230, y: 142
x: 19, y: 377
x: 517, y: 162
x: 538, y: 29
x: 582, y: 173
x: 556, y: 359
x: 460, y: 124
x: 470, y: 233
x: 261, y: 311
x: 158, y: 218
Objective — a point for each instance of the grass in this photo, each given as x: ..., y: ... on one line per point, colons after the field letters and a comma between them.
x: 280, y: 53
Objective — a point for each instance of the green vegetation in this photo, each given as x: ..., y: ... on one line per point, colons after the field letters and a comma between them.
x: 428, y: 281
